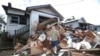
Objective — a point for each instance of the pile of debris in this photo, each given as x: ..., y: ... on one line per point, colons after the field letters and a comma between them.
x: 63, y: 39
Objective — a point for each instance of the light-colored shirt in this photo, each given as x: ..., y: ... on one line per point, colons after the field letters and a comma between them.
x: 54, y: 34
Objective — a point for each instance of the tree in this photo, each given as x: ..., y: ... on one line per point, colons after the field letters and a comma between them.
x: 2, y: 17
x: 70, y: 19
x: 73, y: 18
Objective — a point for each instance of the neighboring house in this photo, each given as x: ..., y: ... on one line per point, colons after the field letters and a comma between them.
x: 74, y: 23
x: 97, y: 28
x: 2, y: 25
x: 18, y: 19
x: 79, y: 23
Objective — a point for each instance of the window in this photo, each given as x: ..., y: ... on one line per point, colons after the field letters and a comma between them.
x: 14, y: 19
x: 18, y: 19
x: 83, y: 26
x: 22, y: 20
x: 42, y: 19
x: 95, y: 29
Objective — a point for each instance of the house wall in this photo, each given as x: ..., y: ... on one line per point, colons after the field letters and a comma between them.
x: 34, y: 19
x: 73, y: 24
x: 97, y: 29
x: 11, y: 27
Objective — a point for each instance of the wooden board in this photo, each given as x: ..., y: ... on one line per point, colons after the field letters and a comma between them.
x: 92, y: 49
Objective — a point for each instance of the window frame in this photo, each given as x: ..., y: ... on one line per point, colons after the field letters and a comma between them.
x: 17, y: 20
x: 24, y: 22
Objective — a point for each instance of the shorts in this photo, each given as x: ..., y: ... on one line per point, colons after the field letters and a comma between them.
x: 54, y: 43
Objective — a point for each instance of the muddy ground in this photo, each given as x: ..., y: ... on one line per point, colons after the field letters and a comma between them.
x: 73, y: 53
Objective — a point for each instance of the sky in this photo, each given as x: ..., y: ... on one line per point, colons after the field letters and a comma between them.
x: 89, y: 9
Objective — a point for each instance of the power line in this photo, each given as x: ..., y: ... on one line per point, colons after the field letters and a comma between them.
x: 64, y: 3
x: 69, y: 3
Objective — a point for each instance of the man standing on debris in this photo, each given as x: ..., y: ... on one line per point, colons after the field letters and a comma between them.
x: 54, y: 38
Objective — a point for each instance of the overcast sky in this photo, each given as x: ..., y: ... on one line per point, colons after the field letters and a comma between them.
x: 89, y: 9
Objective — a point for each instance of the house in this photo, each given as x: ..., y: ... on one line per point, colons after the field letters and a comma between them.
x: 97, y: 29
x: 2, y: 25
x: 74, y: 23
x: 79, y: 23
x: 15, y: 19
x: 19, y: 21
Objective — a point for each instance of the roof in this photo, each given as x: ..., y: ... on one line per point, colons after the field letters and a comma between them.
x: 7, y: 7
x: 71, y: 21
x: 83, y: 19
x: 28, y: 9
x: 77, y: 20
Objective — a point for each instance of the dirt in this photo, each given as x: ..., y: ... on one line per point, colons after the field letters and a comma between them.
x: 10, y: 52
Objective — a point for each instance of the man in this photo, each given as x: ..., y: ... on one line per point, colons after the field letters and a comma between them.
x: 54, y: 38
